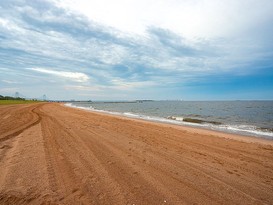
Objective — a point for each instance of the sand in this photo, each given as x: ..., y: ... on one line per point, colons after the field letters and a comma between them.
x: 52, y: 154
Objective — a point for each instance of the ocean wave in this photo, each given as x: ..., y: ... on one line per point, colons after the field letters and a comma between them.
x: 239, y: 129
x: 179, y: 120
x: 247, y: 129
x: 175, y: 118
x: 131, y: 114
x: 194, y: 120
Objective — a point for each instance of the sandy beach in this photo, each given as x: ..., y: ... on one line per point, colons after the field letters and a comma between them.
x: 52, y: 154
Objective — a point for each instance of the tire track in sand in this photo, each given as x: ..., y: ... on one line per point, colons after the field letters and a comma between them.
x: 76, y: 163
x: 33, y: 121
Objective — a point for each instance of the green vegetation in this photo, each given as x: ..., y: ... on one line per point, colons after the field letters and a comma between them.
x: 11, y: 102
x: 7, y: 100
x: 10, y: 98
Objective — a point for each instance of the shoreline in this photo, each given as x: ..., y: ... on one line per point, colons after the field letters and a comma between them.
x: 54, y: 154
x: 244, y: 124
x: 191, y: 128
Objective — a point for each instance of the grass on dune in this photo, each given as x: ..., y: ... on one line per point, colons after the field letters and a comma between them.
x: 14, y: 102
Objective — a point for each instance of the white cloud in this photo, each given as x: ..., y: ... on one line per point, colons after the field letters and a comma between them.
x: 199, y: 18
x: 9, y: 25
x: 10, y: 81
x: 4, y: 22
x: 74, y: 76
x: 121, y: 84
x: 127, y: 45
x: 84, y: 88
x: 103, y: 48
x: 115, y: 84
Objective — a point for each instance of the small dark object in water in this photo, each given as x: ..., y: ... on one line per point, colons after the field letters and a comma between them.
x: 200, y: 121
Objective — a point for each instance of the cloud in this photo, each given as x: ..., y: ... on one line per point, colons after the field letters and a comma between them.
x: 104, y: 45
x: 198, y: 18
x: 62, y: 36
x: 10, y: 81
x: 94, y: 88
x: 74, y: 76
x: 115, y: 84
x: 121, y: 84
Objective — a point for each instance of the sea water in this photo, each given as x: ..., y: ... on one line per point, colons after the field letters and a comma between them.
x: 254, y: 118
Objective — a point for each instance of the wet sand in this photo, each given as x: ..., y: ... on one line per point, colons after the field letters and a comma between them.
x: 52, y: 154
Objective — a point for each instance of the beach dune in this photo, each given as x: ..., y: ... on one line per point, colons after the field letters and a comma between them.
x: 52, y: 154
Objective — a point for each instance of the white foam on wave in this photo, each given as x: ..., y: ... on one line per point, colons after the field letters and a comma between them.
x: 131, y: 114
x: 176, y: 118
x: 246, y: 129
x: 237, y: 129
x: 92, y: 109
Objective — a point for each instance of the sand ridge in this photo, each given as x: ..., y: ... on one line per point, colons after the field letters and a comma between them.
x: 51, y: 154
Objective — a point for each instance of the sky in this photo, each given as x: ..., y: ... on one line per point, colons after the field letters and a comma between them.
x: 137, y: 49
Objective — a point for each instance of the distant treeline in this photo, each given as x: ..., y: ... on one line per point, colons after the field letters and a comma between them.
x: 10, y: 98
